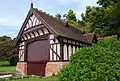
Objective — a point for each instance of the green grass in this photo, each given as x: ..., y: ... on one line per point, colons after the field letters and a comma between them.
x: 53, y: 78
x: 35, y: 78
x: 5, y: 67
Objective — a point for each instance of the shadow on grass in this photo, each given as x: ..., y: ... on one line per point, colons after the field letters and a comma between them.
x: 4, y: 65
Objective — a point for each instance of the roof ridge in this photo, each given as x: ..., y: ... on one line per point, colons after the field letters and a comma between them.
x: 45, y: 13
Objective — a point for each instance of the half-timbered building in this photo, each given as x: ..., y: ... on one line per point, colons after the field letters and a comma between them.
x: 45, y: 44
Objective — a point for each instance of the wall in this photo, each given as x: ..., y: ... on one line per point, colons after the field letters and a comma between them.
x: 22, y: 68
x: 54, y: 67
x: 54, y: 48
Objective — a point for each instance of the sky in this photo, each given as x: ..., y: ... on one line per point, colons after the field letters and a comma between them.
x: 13, y: 12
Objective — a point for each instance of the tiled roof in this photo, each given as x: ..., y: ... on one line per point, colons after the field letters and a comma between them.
x: 60, y: 28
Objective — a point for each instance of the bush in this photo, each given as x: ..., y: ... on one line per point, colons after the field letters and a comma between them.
x: 13, y: 60
x: 100, y: 62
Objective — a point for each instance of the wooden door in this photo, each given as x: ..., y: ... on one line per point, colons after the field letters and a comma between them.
x: 37, y: 57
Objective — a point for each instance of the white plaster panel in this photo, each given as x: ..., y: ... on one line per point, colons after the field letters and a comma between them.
x: 51, y: 36
x: 64, y: 40
x: 34, y: 21
x: 36, y: 34
x: 51, y: 53
x: 24, y: 37
x: 32, y: 17
x: 20, y: 44
x: 21, y: 55
x: 22, y: 47
x: 27, y: 26
x: 73, y: 49
x: 51, y: 41
x: 28, y: 36
x: 77, y: 47
x: 40, y: 32
x: 32, y: 36
x: 54, y: 46
x: 56, y: 41
x: 77, y: 43
x: 45, y: 31
x: 70, y: 51
x: 23, y: 43
x: 30, y: 23
x: 69, y: 41
x: 73, y: 42
x: 80, y: 44
x: 37, y: 21
x: 65, y: 52
x: 40, y: 22
x: 58, y: 50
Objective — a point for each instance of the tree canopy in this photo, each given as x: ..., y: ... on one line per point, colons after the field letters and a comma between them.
x: 6, y: 48
x: 102, y: 19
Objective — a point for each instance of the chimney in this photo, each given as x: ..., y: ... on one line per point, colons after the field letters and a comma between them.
x: 31, y: 5
x: 67, y: 25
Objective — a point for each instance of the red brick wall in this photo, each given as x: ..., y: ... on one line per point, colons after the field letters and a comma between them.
x: 22, y: 68
x: 35, y: 69
x: 54, y: 67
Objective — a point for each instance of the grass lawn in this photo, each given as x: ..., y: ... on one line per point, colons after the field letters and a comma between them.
x: 35, y: 78
x: 5, y: 67
x: 53, y: 78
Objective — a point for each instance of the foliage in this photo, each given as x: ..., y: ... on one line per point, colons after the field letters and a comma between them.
x: 107, y: 3
x: 71, y: 15
x: 7, y: 50
x: 13, y: 60
x: 97, y: 18
x: 65, y: 17
x: 99, y: 62
x: 102, y: 19
x: 58, y: 16
x: 115, y: 19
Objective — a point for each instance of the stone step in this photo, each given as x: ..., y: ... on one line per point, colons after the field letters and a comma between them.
x: 9, y: 74
x: 17, y: 75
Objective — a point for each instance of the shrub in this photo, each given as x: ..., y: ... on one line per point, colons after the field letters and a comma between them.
x: 100, y: 62
x: 13, y: 60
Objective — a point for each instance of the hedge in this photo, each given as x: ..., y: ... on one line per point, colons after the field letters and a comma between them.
x: 100, y: 62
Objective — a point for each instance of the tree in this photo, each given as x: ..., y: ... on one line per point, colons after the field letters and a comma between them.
x: 107, y: 3
x: 71, y: 15
x: 65, y: 17
x: 115, y: 19
x: 58, y: 16
x: 6, y: 48
x: 96, y: 18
